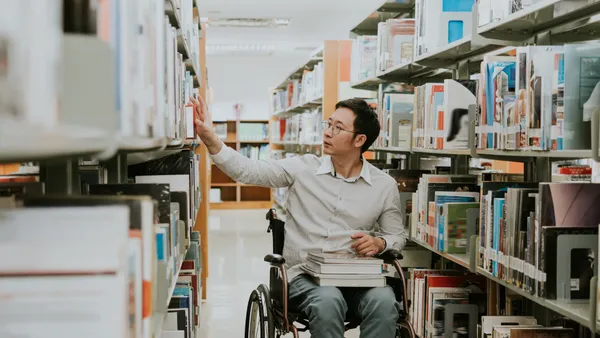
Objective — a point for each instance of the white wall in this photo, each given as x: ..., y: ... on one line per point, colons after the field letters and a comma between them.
x: 246, y: 80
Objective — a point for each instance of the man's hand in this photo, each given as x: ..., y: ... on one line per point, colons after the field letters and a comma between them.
x: 203, y: 126
x: 367, y: 245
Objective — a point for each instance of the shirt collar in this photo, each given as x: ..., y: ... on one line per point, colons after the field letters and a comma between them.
x: 326, y: 167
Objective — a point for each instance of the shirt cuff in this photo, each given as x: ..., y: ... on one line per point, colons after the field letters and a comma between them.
x: 223, y: 155
x: 389, y: 243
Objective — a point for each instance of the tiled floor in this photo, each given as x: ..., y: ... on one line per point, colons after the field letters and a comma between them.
x: 238, y: 241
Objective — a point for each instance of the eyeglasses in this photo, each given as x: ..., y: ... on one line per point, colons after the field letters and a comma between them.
x: 335, y: 128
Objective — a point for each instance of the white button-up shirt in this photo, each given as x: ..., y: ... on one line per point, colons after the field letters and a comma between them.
x: 323, y: 209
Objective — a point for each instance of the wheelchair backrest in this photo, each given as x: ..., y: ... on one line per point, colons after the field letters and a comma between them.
x: 276, y: 228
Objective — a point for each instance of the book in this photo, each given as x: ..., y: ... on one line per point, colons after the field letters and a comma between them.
x: 135, y: 279
x: 42, y: 272
x: 455, y: 227
x: 523, y: 332
x: 348, y: 268
x: 342, y: 258
x: 141, y: 213
x: 362, y: 281
x: 161, y: 193
x: 441, y: 198
x: 489, y: 323
x: 439, y: 297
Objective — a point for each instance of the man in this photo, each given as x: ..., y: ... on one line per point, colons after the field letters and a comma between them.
x: 334, y: 203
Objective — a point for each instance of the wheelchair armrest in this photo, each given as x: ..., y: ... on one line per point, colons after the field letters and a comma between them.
x: 390, y: 256
x: 274, y: 259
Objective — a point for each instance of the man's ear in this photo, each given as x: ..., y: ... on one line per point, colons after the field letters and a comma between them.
x: 359, y: 140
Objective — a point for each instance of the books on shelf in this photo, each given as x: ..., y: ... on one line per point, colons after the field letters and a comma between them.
x: 395, y: 38
x: 259, y: 152
x: 490, y: 323
x: 427, y: 218
x: 302, y: 128
x: 221, y: 130
x: 344, y: 269
x: 153, y: 84
x: 541, y: 99
x: 252, y: 131
x: 437, y: 294
x: 440, y: 118
x: 440, y: 23
x: 31, y: 56
x: 520, y: 227
x: 42, y: 272
x: 395, y: 113
x: 299, y: 91
x: 363, y: 60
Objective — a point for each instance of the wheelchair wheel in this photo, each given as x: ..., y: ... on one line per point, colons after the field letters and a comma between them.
x: 404, y: 330
x: 259, y: 323
x: 263, y: 290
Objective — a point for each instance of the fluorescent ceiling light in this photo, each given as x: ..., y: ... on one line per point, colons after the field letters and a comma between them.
x: 247, y: 22
x: 240, y: 49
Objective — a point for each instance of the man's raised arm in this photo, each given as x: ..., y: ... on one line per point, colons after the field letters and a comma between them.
x: 267, y: 173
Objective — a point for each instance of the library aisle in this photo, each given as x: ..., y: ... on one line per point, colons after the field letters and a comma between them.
x: 239, y: 242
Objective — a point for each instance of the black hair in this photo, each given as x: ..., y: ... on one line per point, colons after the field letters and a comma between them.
x: 457, y: 114
x: 365, y: 121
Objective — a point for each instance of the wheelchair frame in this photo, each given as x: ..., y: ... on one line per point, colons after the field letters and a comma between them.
x: 271, y: 304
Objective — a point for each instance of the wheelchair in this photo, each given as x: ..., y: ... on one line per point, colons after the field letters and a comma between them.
x: 268, y: 314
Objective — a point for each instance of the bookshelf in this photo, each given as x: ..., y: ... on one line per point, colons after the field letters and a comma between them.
x: 103, y: 132
x: 547, y: 22
x: 251, y: 138
x: 296, y: 114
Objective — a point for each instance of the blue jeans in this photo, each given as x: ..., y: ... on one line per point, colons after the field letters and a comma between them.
x: 326, y: 308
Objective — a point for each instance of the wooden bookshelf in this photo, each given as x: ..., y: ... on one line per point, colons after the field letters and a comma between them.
x: 237, y: 195
x: 201, y: 224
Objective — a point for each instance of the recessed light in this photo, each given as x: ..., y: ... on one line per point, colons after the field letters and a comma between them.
x: 249, y: 22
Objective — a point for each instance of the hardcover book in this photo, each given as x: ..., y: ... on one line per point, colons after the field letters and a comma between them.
x: 455, y: 227
x: 161, y: 193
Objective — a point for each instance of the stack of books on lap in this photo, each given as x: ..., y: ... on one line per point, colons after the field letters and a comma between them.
x: 344, y: 269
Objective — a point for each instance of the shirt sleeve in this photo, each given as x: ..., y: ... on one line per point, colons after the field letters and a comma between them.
x: 391, y: 223
x: 266, y: 173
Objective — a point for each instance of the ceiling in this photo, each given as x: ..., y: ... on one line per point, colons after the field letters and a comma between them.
x: 312, y: 22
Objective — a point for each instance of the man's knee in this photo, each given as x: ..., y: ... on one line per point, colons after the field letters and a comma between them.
x: 380, y: 302
x: 327, y: 301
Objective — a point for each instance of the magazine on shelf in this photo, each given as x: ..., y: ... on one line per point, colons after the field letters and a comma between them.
x: 456, y: 239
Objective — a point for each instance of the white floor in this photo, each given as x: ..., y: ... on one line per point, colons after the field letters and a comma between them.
x: 238, y: 241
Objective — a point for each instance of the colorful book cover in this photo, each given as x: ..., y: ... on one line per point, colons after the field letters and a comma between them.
x: 436, y: 108
x: 441, y: 198
x: 510, y: 124
x: 498, y: 212
x: 500, y: 77
x: 455, y: 227
x: 558, y: 103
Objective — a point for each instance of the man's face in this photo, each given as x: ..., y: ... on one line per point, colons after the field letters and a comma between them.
x: 344, y: 141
